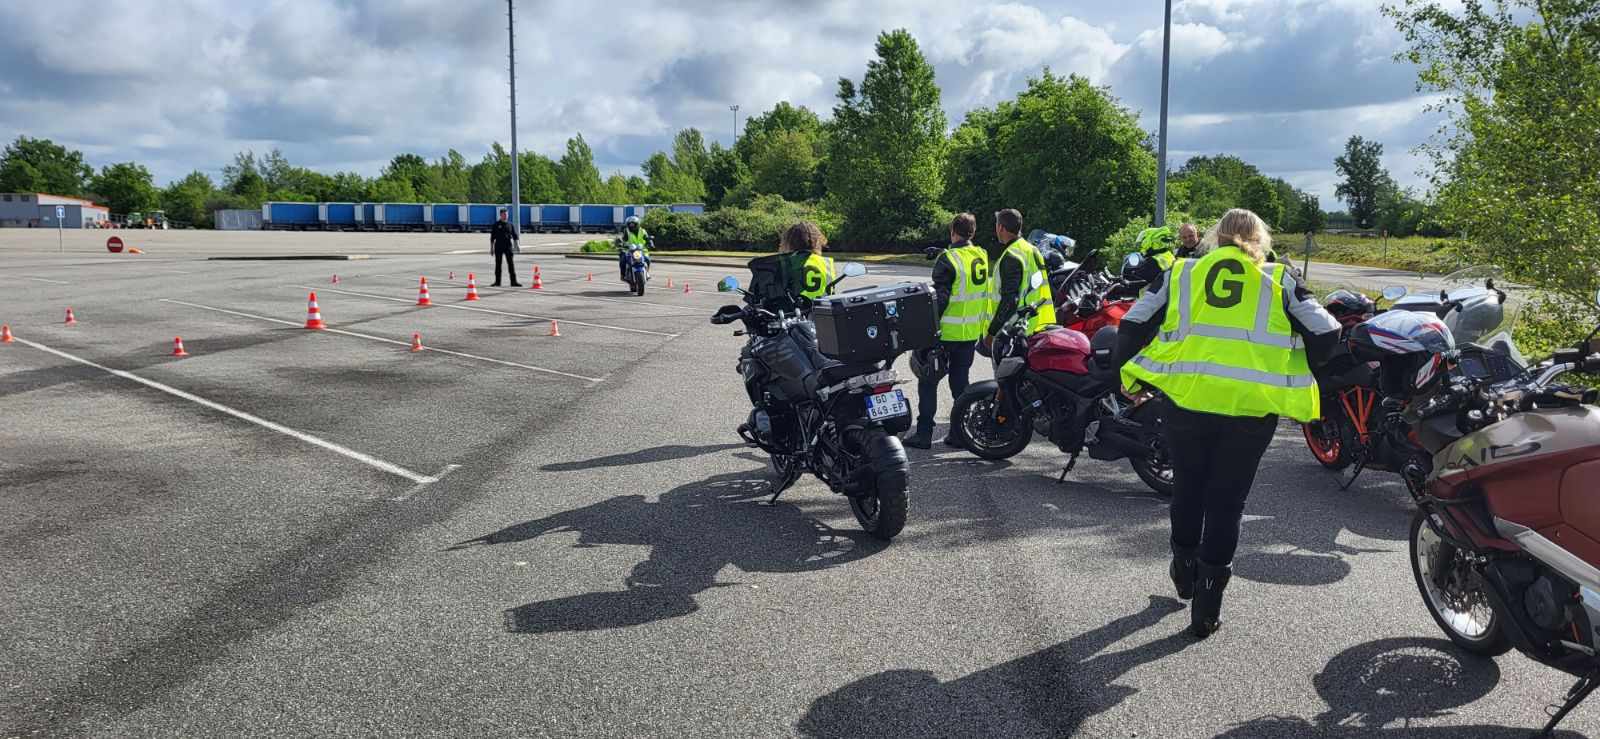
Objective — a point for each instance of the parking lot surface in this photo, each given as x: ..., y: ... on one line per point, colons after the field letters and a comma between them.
x: 302, y: 533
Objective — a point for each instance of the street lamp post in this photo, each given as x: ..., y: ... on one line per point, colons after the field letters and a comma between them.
x: 735, y: 110
x: 516, y: 185
x: 1161, y: 157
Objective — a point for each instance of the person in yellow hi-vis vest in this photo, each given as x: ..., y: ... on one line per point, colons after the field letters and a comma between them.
x: 1014, y: 269
x: 1230, y: 340
x: 964, y: 298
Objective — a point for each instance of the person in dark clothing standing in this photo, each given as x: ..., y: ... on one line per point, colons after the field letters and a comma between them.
x: 1231, y: 340
x: 503, y: 242
x: 1015, y: 266
x: 963, y: 299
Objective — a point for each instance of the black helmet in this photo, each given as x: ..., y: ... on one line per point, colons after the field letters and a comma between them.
x: 930, y: 364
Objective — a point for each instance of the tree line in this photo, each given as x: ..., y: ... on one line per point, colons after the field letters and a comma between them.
x: 884, y: 170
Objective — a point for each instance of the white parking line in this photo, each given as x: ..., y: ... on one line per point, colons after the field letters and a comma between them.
x: 490, y: 311
x: 387, y: 340
x: 41, y: 279
x: 365, y: 459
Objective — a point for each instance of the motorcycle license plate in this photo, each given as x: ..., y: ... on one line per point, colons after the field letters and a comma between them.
x: 887, y: 405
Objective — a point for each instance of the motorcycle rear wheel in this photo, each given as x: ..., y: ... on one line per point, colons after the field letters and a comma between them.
x: 974, y: 414
x: 1458, y: 605
x: 1156, y: 470
x: 882, y: 513
x: 1330, y: 443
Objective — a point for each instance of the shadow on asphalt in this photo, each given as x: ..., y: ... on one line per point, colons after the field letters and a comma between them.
x: 1047, y: 693
x: 694, y: 531
x: 667, y: 453
x: 1396, y: 681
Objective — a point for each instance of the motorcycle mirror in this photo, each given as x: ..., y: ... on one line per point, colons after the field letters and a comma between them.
x: 932, y: 252
x: 1394, y: 292
x: 1132, y: 261
x: 1036, y: 280
x: 728, y: 284
x: 853, y: 269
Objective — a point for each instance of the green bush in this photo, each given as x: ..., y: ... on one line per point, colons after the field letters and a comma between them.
x: 1125, y: 239
x: 753, y: 228
x: 597, y: 247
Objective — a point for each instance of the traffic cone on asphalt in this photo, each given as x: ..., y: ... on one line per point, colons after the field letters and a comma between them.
x: 314, y: 314
x: 669, y: 282
x: 335, y: 279
x: 453, y: 274
x: 590, y: 278
x: 5, y: 335
x: 685, y: 288
x: 416, y: 341
x: 422, y: 293
x: 177, y: 347
x: 71, y: 320
x: 555, y: 328
x: 472, y: 286
x: 538, y: 284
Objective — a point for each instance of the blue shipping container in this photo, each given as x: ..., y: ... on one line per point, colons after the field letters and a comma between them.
x: 341, y: 214
x: 482, y: 217
x: 368, y: 217
x: 597, y: 217
x: 530, y: 221
x: 698, y: 209
x: 555, y: 216
x: 282, y: 215
x: 446, y: 215
x: 402, y: 214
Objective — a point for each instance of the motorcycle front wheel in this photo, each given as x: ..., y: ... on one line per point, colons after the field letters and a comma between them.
x: 882, y: 513
x: 1453, y: 594
x: 974, y: 413
x: 638, y: 283
x: 1155, y: 469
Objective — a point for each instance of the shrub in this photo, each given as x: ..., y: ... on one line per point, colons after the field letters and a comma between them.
x: 597, y: 247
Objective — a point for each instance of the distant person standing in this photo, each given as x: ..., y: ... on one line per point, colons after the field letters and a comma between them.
x: 503, y: 242
x: 1188, y: 241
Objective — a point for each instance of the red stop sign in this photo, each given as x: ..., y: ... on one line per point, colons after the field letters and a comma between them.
x: 114, y: 244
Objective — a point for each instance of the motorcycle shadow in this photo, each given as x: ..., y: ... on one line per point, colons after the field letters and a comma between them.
x: 1047, y: 693
x: 694, y: 531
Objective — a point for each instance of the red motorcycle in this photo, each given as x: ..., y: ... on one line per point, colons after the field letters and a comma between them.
x: 1505, y: 544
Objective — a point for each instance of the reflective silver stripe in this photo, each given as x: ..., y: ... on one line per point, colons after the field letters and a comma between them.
x: 959, y: 294
x: 961, y: 321
x: 1262, y: 334
x: 1183, y: 300
x: 1224, y: 371
x: 1236, y: 334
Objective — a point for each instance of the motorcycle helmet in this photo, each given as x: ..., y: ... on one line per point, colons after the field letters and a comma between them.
x: 1152, y: 240
x: 930, y: 364
x: 632, y: 222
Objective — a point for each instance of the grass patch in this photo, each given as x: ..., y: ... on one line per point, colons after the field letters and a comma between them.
x: 1413, y: 253
x: 597, y: 247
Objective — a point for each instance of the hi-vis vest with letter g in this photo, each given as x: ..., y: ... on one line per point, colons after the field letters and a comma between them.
x: 818, y: 273
x: 972, y: 295
x: 1032, y: 261
x: 1227, y: 346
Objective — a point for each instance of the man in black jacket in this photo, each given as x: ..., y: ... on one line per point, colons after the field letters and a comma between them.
x: 503, y: 242
x: 961, y: 288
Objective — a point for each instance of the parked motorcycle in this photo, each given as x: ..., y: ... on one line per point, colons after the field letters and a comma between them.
x: 1505, y: 544
x: 1062, y: 385
x: 1349, y: 389
x: 812, y: 413
x: 636, y: 265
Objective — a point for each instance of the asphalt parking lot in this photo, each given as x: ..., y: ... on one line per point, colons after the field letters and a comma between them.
x: 307, y: 533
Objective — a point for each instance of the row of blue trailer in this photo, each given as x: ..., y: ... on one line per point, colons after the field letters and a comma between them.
x: 453, y: 217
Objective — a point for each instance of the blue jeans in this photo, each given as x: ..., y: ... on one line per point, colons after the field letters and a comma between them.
x: 961, y: 353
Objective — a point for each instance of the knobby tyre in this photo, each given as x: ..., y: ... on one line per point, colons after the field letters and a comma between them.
x: 882, y: 512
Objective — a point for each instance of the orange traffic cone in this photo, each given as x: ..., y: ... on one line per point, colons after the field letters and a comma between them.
x: 453, y: 274
x: 135, y: 250
x: 555, y: 328
x: 472, y: 286
x: 5, y: 335
x: 416, y: 341
x: 685, y: 288
x: 536, y: 269
x: 177, y: 347
x: 590, y: 278
x: 71, y: 321
x: 538, y: 284
x: 335, y: 279
x: 314, y: 314
x: 422, y: 293
x: 669, y: 282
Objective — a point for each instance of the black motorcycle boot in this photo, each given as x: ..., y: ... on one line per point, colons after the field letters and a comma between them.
x: 922, y: 439
x: 1205, y: 614
x: 1184, y: 570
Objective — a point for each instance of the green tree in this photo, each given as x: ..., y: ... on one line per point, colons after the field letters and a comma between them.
x: 41, y: 165
x: 347, y: 187
x: 614, y: 189
x: 1260, y: 196
x: 689, y: 153
x: 1072, y: 159
x: 126, y: 187
x: 1304, y: 214
x: 725, y: 172
x: 423, y: 180
x: 243, y: 180
x: 390, y: 190
x: 785, y: 165
x: 536, y: 177
x: 972, y: 172
x: 185, y: 200
x: 1361, y: 166
x: 889, y: 140
x: 579, y: 178
x: 450, y: 172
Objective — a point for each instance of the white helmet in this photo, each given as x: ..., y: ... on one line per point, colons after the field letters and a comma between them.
x: 632, y: 220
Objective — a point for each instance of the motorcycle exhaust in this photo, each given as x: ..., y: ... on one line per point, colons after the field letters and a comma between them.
x: 1114, y: 444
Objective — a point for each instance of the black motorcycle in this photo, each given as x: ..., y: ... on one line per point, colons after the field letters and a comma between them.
x: 1053, y: 385
x: 836, y: 420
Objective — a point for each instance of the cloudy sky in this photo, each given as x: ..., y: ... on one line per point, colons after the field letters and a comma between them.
x: 346, y: 84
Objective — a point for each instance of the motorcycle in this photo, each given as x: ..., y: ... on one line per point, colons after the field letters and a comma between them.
x: 1087, y: 308
x: 1062, y: 385
x: 636, y: 265
x: 1503, y: 546
x: 1349, y: 389
x: 811, y: 413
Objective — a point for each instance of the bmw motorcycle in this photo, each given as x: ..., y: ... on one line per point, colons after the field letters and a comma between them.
x: 836, y: 420
x: 1505, y: 544
x: 1060, y: 384
x: 636, y: 265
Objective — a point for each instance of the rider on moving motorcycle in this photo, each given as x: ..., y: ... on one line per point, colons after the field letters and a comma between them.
x: 1231, y: 343
x: 633, y: 234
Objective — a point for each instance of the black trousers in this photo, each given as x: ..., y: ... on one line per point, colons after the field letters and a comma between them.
x: 1214, y: 464
x: 511, y: 265
x: 961, y: 353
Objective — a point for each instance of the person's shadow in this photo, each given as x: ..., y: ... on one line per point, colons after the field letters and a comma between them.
x: 694, y: 531
x: 1049, y: 692
x: 1381, y: 687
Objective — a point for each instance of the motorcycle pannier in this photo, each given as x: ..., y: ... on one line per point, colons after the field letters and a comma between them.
x: 1059, y: 350
x: 876, y: 323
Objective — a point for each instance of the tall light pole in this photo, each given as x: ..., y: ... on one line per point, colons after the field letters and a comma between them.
x: 516, y: 185
x: 1161, y: 158
x: 735, y: 110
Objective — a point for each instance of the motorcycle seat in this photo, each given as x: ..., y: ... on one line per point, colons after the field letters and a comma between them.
x: 837, y: 372
x: 1085, y: 385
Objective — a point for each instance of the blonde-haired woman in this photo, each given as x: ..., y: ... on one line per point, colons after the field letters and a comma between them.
x: 1229, y: 339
